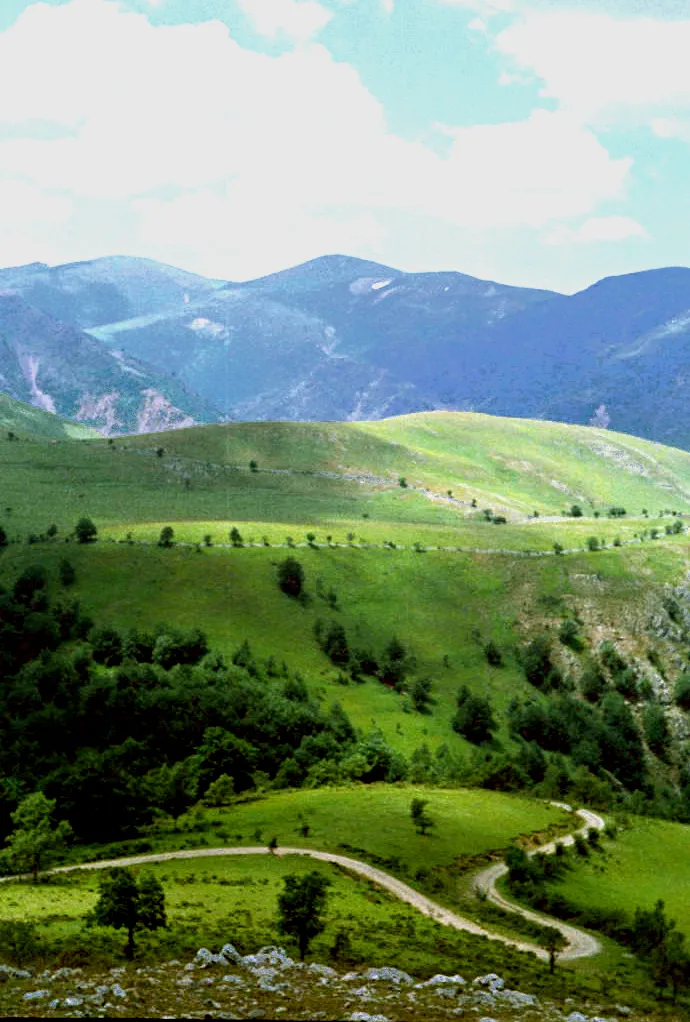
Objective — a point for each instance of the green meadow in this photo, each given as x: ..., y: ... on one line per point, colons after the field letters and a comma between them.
x: 650, y: 860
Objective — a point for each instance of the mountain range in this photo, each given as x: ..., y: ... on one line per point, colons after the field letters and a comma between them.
x: 129, y: 345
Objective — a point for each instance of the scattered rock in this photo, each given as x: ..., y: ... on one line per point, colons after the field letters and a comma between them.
x: 491, y: 980
x: 388, y: 974
x: 205, y: 958
x: 73, y: 1002
x: 36, y: 995
x: 275, y: 957
x: 363, y: 1016
x: 577, y: 1016
x: 230, y: 952
x: 322, y: 970
x: 440, y: 980
x: 117, y: 991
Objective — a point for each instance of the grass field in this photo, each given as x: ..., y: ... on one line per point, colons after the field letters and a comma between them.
x: 649, y: 860
x: 375, y: 820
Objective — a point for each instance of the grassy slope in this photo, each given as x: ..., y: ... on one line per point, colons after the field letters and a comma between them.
x: 439, y: 604
x: 648, y: 861
x: 25, y: 420
x: 511, y: 465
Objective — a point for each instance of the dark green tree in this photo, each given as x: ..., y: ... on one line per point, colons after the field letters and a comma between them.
x: 474, y: 719
x: 66, y: 572
x: 420, y: 694
x: 291, y: 577
x: 236, y: 536
x: 85, y: 530
x: 128, y: 905
x: 420, y: 817
x: 166, y: 536
x: 301, y: 908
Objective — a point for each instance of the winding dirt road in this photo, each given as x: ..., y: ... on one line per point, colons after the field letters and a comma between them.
x: 579, y: 944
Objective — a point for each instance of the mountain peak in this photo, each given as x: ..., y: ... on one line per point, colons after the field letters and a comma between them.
x: 323, y: 271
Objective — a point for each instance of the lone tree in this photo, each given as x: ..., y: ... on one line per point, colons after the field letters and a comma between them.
x: 553, y: 943
x: 301, y: 908
x: 291, y: 576
x: 236, y: 536
x: 420, y: 818
x: 166, y: 537
x: 85, y: 531
x: 34, y: 836
x: 128, y: 905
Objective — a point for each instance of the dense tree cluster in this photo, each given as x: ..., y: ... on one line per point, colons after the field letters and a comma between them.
x: 116, y: 727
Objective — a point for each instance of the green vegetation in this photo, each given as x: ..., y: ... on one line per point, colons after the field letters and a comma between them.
x: 301, y: 908
x: 533, y: 658
x: 129, y: 904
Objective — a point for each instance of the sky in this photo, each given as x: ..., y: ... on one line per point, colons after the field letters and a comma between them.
x: 543, y: 143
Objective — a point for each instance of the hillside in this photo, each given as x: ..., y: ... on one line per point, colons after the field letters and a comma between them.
x: 428, y: 648
x: 57, y: 367
x: 24, y: 420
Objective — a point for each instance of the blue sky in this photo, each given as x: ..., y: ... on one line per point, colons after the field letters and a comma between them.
x: 534, y: 142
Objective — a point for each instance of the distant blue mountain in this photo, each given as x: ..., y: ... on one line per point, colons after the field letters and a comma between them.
x: 345, y: 338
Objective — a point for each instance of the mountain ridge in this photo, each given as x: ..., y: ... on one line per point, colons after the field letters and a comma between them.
x: 343, y: 338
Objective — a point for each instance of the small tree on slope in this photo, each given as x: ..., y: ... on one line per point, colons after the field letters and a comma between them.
x: 34, y: 837
x: 128, y: 905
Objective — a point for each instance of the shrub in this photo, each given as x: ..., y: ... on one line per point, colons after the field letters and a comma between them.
x: 569, y: 635
x: 166, y: 536
x: 558, y: 549
x: 420, y: 694
x: 592, y: 543
x: 66, y: 572
x: 493, y: 654
x: 575, y: 511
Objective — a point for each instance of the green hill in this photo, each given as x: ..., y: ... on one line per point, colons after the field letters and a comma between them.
x: 26, y: 421
x: 565, y: 635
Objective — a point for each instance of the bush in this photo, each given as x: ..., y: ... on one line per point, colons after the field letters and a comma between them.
x: 569, y: 635
x: 493, y: 654
x: 576, y: 511
x: 592, y: 543
x: 420, y: 695
x: 166, y: 536
x: 20, y: 941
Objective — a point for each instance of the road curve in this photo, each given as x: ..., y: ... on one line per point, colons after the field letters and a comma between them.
x: 579, y: 944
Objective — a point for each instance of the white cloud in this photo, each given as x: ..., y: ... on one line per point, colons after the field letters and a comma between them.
x: 265, y: 160
x: 298, y: 20
x: 603, y: 68
x: 596, y: 230
x: 388, y: 6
